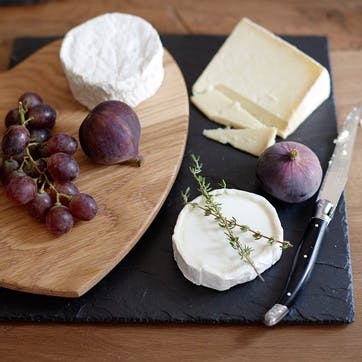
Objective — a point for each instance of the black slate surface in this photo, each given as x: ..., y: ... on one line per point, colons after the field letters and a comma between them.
x: 147, y: 285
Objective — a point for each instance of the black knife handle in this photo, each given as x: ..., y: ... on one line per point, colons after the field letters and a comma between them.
x: 304, y: 260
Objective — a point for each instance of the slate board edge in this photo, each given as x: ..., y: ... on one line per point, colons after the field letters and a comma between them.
x: 23, y: 41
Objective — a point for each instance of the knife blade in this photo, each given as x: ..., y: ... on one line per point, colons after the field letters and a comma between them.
x: 329, y: 194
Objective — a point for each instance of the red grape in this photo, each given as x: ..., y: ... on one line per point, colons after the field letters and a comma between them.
x: 7, y: 168
x: 59, y: 220
x: 39, y: 206
x: 12, y: 117
x: 62, y: 143
x: 16, y: 173
x: 62, y: 167
x: 15, y: 140
x: 32, y: 170
x: 40, y: 135
x: 66, y: 188
x: 37, y: 168
x: 83, y: 207
x: 30, y: 100
x: 21, y: 189
x: 42, y: 116
x: 19, y: 157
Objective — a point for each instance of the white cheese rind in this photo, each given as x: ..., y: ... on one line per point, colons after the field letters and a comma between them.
x: 202, y: 251
x: 271, y: 79
x: 113, y: 57
x: 251, y: 140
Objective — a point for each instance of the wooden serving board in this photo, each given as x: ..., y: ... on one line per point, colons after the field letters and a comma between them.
x: 128, y: 197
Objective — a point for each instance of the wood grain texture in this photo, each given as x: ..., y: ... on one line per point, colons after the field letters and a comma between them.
x: 129, y: 197
x: 341, y: 22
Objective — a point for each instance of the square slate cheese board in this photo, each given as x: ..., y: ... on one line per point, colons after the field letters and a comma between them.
x: 147, y: 286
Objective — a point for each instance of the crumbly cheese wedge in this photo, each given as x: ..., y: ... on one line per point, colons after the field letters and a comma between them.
x: 251, y: 140
x: 271, y: 79
x: 202, y: 251
x: 113, y: 57
x: 223, y: 110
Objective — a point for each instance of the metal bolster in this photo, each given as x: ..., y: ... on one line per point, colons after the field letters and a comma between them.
x: 324, y: 210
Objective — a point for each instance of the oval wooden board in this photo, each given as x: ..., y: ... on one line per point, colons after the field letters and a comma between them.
x: 129, y: 198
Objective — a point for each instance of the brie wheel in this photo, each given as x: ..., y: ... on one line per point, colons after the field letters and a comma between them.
x: 202, y: 251
x: 113, y: 57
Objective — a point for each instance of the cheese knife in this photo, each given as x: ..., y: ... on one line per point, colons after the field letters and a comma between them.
x: 330, y: 191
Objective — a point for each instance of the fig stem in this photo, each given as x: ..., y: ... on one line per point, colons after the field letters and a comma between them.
x: 293, y: 154
x: 136, y: 161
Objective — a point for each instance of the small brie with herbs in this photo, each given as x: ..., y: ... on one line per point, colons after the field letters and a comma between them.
x: 251, y: 140
x: 113, y: 57
x: 202, y: 251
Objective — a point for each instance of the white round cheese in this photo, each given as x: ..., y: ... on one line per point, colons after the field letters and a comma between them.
x: 202, y: 250
x: 113, y: 57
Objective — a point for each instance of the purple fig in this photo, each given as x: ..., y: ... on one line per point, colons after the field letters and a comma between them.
x: 289, y: 171
x: 110, y: 134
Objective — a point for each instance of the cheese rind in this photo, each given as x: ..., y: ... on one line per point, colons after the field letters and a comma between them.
x: 202, y: 251
x: 271, y: 79
x: 113, y: 57
x: 223, y: 110
x: 251, y: 140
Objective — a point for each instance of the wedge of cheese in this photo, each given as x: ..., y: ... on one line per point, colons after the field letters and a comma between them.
x: 223, y: 110
x: 271, y: 79
x: 202, y: 250
x: 251, y: 140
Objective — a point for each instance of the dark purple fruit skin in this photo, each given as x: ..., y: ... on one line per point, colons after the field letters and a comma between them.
x: 15, y: 140
x: 83, y: 207
x: 289, y: 180
x: 30, y: 100
x: 62, y: 167
x: 110, y: 133
x: 7, y: 168
x: 42, y: 116
x: 21, y: 182
x: 12, y: 117
x: 61, y: 143
x: 67, y: 188
x: 39, y: 206
x: 40, y: 134
x: 59, y: 220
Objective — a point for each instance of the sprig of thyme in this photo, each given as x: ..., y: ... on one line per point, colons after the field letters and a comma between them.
x: 213, y: 208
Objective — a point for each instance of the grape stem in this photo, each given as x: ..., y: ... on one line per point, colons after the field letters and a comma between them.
x: 22, y: 111
x: 30, y: 158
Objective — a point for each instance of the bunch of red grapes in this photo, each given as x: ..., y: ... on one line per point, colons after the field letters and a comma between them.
x: 37, y: 168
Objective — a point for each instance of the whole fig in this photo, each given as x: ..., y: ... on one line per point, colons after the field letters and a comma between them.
x: 289, y: 171
x: 110, y: 134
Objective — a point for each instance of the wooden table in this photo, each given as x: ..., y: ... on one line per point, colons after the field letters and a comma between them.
x: 341, y: 21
